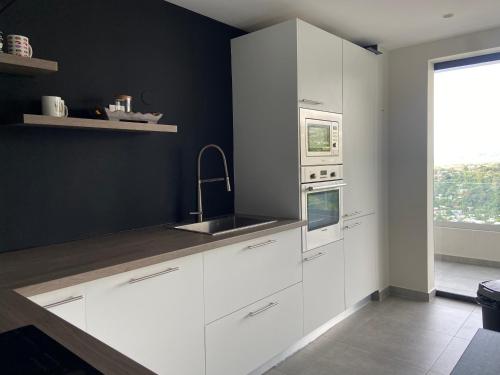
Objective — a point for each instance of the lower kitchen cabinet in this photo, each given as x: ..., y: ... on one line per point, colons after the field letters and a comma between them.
x: 248, y: 338
x: 154, y: 315
x: 361, y: 258
x: 240, y: 274
x: 67, y: 303
x: 323, y: 285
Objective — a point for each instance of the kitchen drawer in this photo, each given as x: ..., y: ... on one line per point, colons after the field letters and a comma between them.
x: 154, y: 315
x: 240, y: 274
x: 67, y: 303
x: 246, y: 339
x: 323, y: 285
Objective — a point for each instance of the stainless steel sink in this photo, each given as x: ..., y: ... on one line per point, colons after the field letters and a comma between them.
x: 224, y: 225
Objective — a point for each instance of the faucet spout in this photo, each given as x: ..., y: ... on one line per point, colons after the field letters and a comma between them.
x: 201, y: 181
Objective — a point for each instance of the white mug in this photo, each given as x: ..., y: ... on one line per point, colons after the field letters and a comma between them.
x: 54, y: 106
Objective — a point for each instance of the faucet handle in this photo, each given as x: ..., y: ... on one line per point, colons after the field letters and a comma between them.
x: 195, y: 212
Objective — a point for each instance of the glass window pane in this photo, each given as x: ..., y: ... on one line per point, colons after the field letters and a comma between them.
x: 318, y: 138
x: 467, y: 145
x: 322, y: 209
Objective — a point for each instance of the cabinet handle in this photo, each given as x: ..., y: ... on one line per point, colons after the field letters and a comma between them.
x: 352, y: 214
x: 351, y: 226
x: 168, y: 270
x: 262, y: 309
x: 309, y: 101
x: 320, y: 254
x: 269, y: 242
x: 62, y: 302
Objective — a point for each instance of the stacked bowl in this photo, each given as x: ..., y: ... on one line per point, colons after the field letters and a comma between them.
x: 19, y: 45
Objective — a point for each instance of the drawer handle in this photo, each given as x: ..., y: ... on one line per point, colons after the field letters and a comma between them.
x: 320, y: 254
x: 310, y: 101
x: 352, y: 214
x: 63, y: 302
x: 351, y: 226
x: 262, y: 309
x: 269, y: 242
x: 168, y: 270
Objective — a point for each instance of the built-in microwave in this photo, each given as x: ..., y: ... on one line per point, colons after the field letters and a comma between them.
x: 320, y: 137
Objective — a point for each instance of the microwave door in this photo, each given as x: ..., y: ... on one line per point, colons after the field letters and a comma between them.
x: 318, y: 138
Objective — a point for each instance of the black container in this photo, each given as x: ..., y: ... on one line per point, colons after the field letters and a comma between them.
x: 488, y: 296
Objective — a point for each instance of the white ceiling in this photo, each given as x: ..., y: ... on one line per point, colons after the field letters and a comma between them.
x: 390, y: 23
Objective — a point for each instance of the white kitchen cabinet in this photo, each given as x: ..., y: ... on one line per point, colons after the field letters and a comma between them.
x: 67, y: 303
x: 323, y: 285
x: 154, y: 315
x: 248, y: 338
x: 319, y: 66
x: 240, y: 274
x: 359, y: 120
x: 361, y: 258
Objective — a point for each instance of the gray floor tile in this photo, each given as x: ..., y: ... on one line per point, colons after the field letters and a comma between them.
x: 462, y: 278
x: 392, y: 337
x: 274, y: 371
x: 448, y: 359
x: 389, y: 338
x: 471, y: 325
x: 344, y: 360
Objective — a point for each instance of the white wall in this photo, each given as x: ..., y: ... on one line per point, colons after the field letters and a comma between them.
x: 467, y: 243
x: 411, y: 264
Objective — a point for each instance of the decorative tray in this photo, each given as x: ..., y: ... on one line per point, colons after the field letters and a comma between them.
x: 150, y: 118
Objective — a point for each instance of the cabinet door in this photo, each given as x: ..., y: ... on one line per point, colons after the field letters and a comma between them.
x: 361, y: 258
x: 323, y: 285
x: 319, y: 68
x: 67, y: 303
x: 154, y: 315
x: 240, y: 274
x: 359, y: 120
x: 248, y: 338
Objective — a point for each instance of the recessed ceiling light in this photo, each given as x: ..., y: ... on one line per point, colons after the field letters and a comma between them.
x: 448, y: 15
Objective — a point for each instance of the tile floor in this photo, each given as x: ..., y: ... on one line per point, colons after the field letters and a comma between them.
x: 393, y: 337
x: 462, y: 278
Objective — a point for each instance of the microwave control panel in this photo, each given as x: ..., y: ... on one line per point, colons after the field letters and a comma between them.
x: 318, y: 173
x: 335, y: 139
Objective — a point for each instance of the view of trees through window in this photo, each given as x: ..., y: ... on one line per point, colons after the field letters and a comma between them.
x: 467, y: 144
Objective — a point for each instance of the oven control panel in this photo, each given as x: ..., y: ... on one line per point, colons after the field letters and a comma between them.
x: 321, y: 173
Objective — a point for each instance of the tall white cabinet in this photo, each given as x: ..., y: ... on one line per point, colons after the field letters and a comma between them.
x: 275, y: 71
x: 359, y: 120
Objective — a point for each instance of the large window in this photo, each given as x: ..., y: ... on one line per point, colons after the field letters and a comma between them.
x: 467, y: 144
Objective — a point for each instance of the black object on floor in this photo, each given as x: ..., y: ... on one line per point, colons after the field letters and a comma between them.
x: 29, y: 351
x: 488, y: 296
x: 455, y: 296
x: 482, y: 356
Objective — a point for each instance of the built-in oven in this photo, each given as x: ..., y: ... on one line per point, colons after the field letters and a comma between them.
x: 321, y: 205
x: 320, y: 137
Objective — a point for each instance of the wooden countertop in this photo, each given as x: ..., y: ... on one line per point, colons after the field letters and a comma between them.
x: 24, y: 273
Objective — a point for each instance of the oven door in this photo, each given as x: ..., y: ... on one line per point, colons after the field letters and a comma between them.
x: 322, y: 208
x: 321, y: 137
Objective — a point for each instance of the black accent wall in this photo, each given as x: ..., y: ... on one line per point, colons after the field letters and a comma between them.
x: 58, y: 185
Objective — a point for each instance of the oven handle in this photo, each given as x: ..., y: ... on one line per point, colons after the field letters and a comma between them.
x: 313, y: 188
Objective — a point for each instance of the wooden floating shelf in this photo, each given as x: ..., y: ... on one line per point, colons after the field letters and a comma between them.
x: 84, y: 123
x: 13, y: 64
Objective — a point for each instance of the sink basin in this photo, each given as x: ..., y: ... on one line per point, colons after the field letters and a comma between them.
x: 224, y: 225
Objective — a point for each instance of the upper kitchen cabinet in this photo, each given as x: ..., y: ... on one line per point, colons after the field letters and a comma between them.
x: 319, y: 66
x: 359, y: 120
